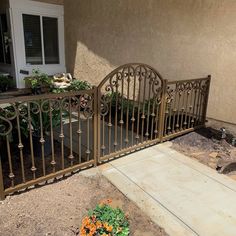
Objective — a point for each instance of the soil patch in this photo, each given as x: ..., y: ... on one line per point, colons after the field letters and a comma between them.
x: 207, y: 146
x: 58, y: 209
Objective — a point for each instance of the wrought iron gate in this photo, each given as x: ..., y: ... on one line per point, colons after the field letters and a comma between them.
x: 130, y: 110
x: 133, y: 107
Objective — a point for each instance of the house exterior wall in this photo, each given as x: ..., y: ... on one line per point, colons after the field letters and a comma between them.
x: 182, y: 39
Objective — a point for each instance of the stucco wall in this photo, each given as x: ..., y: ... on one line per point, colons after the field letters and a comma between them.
x: 182, y: 39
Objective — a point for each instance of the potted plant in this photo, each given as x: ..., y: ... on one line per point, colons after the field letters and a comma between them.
x: 37, y: 81
x: 5, y: 83
x: 35, y: 126
x: 105, y: 220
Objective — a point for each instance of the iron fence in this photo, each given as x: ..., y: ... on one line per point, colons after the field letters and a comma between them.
x: 46, y: 136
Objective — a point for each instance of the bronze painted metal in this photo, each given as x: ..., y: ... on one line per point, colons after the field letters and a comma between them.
x: 50, y: 135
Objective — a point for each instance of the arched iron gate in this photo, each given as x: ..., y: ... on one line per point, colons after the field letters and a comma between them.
x: 130, y: 112
x: 133, y: 107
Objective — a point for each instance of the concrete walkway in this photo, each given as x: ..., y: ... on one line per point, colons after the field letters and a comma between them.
x: 180, y: 194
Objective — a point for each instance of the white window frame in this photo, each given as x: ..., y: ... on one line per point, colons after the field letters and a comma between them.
x: 17, y: 9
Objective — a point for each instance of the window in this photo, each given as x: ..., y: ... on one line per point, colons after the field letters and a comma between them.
x: 5, y: 56
x: 41, y: 39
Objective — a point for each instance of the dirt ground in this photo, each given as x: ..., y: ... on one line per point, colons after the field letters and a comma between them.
x: 207, y: 146
x: 57, y: 209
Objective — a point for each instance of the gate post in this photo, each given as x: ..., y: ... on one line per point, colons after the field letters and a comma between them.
x: 2, y: 193
x: 95, y: 127
x: 162, y: 111
x: 206, y: 100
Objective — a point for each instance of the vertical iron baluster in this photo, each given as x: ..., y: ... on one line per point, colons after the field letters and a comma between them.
x: 148, y: 112
x: 62, y: 136
x: 20, y: 146
x: 53, y: 162
x: 2, y: 193
x: 88, y: 149
x: 186, y: 107
x: 197, y: 105
x: 153, y: 115
x: 157, y: 117
x: 33, y: 169
x: 11, y: 174
x: 109, y: 126
x: 190, y: 106
x: 178, y: 109
x: 122, y: 110
x: 174, y: 108
x: 127, y: 111
x: 183, y: 107
x: 194, y: 105
x: 144, y: 105
x: 103, y: 135
x: 116, y: 117
x: 166, y: 113
x: 71, y: 156
x: 170, y: 115
x: 139, y: 98
x: 42, y: 140
x: 200, y: 107
x: 133, y: 118
x: 79, y: 131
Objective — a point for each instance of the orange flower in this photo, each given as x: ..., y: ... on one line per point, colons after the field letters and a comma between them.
x: 86, y: 221
x: 82, y: 232
x: 99, y: 224
x: 108, y: 227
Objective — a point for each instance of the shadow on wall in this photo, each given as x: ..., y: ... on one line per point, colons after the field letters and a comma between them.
x: 101, y: 35
x: 172, y: 36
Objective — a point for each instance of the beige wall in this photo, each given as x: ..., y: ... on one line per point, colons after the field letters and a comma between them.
x: 182, y: 39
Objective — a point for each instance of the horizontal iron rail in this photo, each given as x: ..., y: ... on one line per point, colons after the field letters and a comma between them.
x: 46, y: 96
x: 129, y: 150
x: 50, y: 176
x: 187, y: 80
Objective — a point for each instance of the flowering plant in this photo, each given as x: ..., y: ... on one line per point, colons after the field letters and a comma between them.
x: 105, y: 220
